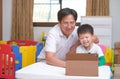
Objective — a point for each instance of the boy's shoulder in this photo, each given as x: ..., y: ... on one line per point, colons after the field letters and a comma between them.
x: 96, y: 47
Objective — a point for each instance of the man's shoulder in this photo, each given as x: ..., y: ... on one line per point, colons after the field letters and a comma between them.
x: 54, y: 28
x: 75, y: 31
x: 76, y: 27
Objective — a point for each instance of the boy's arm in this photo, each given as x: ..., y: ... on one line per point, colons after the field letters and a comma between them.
x: 102, y: 61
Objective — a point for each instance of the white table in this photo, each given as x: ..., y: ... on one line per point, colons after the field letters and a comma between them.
x: 41, y: 70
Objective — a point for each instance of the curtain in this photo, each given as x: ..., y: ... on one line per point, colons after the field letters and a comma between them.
x: 22, y: 25
x: 97, y: 8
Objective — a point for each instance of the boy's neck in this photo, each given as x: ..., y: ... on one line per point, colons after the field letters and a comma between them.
x: 89, y: 47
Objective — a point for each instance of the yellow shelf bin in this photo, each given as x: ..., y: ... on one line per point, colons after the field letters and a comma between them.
x: 28, y: 55
x: 3, y: 42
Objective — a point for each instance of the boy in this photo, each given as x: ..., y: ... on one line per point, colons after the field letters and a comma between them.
x: 86, y: 34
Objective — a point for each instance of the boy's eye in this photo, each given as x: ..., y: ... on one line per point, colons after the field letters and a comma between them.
x: 86, y: 37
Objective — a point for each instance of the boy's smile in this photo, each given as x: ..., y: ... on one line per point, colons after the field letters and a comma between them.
x: 86, y: 40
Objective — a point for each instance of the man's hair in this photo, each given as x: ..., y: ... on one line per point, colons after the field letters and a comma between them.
x: 85, y: 28
x: 66, y: 11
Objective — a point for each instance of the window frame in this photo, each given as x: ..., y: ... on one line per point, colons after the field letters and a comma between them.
x: 50, y: 24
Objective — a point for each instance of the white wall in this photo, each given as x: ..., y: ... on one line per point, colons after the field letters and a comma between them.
x: 7, y: 18
x: 38, y: 31
x: 115, y: 13
x: 7, y: 13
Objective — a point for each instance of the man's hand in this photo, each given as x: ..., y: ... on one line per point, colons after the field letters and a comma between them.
x: 95, y: 39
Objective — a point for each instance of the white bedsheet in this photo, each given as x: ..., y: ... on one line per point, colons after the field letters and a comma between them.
x: 41, y: 70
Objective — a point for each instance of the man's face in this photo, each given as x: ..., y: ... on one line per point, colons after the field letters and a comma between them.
x: 67, y: 25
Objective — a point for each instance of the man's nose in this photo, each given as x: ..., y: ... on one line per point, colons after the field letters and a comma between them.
x: 69, y: 26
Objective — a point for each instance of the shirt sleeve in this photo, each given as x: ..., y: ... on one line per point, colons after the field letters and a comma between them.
x: 50, y: 43
x: 78, y: 49
x: 99, y: 51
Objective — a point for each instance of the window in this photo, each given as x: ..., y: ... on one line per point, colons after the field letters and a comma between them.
x: 46, y: 10
x: 78, y: 5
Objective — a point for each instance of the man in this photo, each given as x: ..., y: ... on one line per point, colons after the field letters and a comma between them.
x: 61, y: 39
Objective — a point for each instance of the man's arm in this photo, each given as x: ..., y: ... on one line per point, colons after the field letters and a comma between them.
x: 52, y: 60
x: 73, y: 48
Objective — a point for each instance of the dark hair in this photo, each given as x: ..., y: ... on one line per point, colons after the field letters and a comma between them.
x: 85, y: 28
x: 66, y: 11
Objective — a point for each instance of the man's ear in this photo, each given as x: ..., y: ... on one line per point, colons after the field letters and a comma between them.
x: 58, y: 22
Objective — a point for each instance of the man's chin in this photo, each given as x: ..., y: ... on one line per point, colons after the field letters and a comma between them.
x: 68, y: 33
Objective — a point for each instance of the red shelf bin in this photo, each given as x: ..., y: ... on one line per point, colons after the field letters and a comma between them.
x: 7, y: 62
x: 22, y: 42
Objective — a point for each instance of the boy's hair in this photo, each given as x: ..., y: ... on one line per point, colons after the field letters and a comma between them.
x: 66, y: 11
x: 85, y: 28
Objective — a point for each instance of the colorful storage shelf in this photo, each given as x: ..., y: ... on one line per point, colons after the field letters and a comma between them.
x: 7, y: 62
x: 28, y: 55
x: 3, y: 42
x: 26, y: 52
x: 18, y: 57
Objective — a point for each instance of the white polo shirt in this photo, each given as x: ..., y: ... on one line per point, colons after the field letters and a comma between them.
x: 57, y: 43
x: 95, y: 49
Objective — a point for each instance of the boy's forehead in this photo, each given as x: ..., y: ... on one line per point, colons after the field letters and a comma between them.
x: 86, y: 33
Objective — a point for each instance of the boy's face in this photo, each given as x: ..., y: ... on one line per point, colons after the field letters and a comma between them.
x: 86, y: 39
